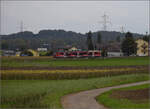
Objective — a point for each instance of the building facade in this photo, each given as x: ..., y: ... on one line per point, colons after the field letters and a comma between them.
x: 142, y: 47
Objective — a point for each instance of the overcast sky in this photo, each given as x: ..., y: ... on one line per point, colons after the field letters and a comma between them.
x: 78, y: 16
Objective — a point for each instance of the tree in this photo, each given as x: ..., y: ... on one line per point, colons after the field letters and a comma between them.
x: 146, y: 38
x: 20, y: 44
x: 104, y: 52
x: 89, y: 41
x: 4, y: 44
x: 99, y: 39
x: 26, y: 53
x: 129, y: 46
x: 118, y: 39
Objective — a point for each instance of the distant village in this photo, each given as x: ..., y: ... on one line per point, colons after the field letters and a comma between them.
x: 113, y: 50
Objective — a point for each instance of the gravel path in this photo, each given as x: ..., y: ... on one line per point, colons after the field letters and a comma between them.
x: 86, y: 99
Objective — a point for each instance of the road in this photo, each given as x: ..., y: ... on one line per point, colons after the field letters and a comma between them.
x: 86, y: 99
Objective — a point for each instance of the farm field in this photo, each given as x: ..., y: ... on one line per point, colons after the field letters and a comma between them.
x: 47, y: 93
x: 37, y: 82
x: 50, y: 62
x: 26, y: 67
x: 135, y: 97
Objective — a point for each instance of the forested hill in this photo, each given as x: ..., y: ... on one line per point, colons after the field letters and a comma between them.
x: 54, y: 39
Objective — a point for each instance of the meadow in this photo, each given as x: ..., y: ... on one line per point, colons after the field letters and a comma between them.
x: 138, y: 100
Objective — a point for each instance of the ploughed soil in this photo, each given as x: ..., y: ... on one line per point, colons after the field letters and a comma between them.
x: 140, y: 95
x: 70, y: 67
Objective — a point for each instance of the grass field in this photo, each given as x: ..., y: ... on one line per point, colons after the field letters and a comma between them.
x: 138, y: 100
x: 48, y: 61
x: 47, y: 93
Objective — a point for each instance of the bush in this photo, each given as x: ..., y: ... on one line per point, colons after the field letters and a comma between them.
x: 26, y: 53
x: 46, y: 53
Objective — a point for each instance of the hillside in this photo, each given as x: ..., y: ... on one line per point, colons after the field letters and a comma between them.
x: 54, y: 39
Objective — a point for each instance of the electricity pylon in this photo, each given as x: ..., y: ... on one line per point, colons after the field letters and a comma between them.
x: 105, y: 21
x: 122, y: 28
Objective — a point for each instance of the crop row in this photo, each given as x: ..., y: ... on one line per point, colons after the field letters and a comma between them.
x: 71, y: 71
x: 67, y: 74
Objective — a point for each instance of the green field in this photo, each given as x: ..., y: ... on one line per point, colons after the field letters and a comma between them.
x: 114, y: 103
x: 47, y: 93
x: 50, y: 62
x: 35, y: 81
x: 45, y: 68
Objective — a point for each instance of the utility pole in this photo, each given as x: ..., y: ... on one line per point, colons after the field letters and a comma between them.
x: 105, y: 21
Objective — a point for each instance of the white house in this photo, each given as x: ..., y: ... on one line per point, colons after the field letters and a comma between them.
x: 41, y: 49
x: 114, y: 54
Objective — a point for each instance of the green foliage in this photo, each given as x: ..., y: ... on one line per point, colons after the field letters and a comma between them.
x: 4, y: 44
x: 46, y: 53
x: 129, y: 46
x: 42, y: 53
x: 123, y: 103
x: 146, y: 38
x: 49, y: 53
x: 104, y: 52
x: 118, y: 39
x: 48, y: 93
x: 89, y: 41
x: 26, y: 53
x: 99, y: 39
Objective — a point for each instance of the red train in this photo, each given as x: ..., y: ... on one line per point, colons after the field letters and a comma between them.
x: 77, y: 54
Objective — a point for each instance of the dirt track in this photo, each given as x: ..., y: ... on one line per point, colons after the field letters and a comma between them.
x: 86, y: 99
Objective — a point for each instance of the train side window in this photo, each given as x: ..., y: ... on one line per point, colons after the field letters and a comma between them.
x: 90, y: 53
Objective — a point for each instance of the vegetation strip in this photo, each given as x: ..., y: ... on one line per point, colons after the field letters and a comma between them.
x: 72, y: 71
